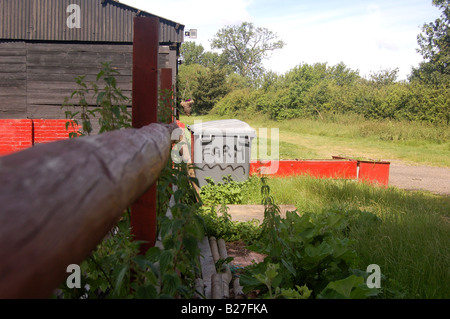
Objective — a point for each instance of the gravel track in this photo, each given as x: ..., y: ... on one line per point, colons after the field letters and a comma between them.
x: 424, y: 178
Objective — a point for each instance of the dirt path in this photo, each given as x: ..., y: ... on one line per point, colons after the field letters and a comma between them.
x: 433, y: 179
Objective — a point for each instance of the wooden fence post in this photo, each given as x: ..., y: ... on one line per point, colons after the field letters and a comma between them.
x: 144, y: 112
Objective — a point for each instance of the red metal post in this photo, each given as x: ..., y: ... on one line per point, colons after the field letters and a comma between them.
x: 144, y: 112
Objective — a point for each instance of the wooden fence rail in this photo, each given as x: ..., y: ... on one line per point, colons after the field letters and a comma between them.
x: 59, y: 200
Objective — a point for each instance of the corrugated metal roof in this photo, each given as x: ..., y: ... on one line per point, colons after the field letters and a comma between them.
x: 100, y: 21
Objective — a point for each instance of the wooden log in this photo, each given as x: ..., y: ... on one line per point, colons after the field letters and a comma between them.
x: 59, y: 200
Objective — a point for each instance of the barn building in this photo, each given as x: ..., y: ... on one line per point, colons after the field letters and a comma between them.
x: 45, y: 44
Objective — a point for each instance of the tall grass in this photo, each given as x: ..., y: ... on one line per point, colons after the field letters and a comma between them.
x: 411, y: 243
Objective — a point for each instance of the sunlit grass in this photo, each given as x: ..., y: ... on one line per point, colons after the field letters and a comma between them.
x: 411, y: 244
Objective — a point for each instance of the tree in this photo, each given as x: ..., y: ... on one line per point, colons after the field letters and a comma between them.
x: 434, y: 45
x: 191, y: 53
x: 245, y: 47
x: 211, y: 87
x: 384, y: 77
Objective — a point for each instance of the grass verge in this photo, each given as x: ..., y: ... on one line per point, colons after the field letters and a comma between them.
x: 410, y: 243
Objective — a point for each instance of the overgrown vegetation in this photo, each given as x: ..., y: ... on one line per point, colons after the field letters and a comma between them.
x: 116, y: 269
x: 308, y: 254
x: 111, y: 105
x: 405, y: 233
x: 316, y: 90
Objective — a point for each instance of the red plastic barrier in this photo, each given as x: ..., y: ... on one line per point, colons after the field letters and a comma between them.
x: 372, y: 171
x: 317, y: 168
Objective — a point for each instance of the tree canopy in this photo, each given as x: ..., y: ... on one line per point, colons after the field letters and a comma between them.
x: 434, y: 46
x: 245, y: 47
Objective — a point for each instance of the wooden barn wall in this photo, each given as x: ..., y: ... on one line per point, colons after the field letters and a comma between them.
x: 35, y: 77
x: 52, y: 68
x: 13, y: 80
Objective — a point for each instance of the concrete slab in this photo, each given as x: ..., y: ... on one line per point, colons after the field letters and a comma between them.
x: 243, y: 213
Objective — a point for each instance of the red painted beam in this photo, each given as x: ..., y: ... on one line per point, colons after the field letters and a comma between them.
x: 144, y: 112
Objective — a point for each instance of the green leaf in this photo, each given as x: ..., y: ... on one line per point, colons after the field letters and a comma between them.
x: 341, y: 288
x: 320, y: 252
x: 100, y: 74
x: 170, y: 283
x: 120, y: 279
x: 190, y: 244
x: 100, y: 97
x: 289, y: 266
x: 147, y: 292
x: 166, y: 258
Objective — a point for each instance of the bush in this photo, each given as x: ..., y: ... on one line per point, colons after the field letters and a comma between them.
x: 312, y: 90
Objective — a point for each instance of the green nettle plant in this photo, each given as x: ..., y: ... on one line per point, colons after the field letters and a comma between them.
x: 228, y: 191
x: 307, y: 257
x: 111, y: 105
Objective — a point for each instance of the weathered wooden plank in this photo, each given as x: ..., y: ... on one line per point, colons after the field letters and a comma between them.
x: 74, y: 70
x: 13, y: 104
x: 89, y: 78
x: 12, y: 81
x: 69, y: 85
x: 12, y: 114
x: 12, y: 59
x: 60, y: 199
x: 47, y: 112
x: 12, y: 52
x: 14, y: 46
x: 12, y: 68
x: 62, y: 47
x: 56, y: 97
x: 13, y: 91
x: 79, y: 57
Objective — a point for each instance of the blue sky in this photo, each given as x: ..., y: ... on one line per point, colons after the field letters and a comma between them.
x: 366, y: 35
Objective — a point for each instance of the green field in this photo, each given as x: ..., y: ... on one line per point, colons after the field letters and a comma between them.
x: 355, y: 137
